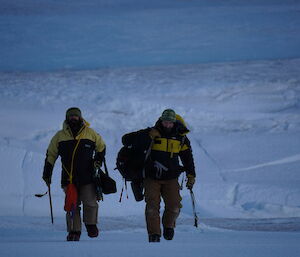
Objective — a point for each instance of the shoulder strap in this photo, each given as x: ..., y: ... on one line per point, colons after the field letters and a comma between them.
x: 147, y: 156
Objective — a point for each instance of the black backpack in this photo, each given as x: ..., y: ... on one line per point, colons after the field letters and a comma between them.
x: 129, y: 165
x: 132, y: 156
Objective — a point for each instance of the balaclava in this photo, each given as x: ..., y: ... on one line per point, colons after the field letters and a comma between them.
x: 74, y: 124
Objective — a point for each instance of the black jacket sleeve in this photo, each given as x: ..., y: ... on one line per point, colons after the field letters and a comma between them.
x: 99, y: 156
x: 47, y: 173
x: 187, y: 159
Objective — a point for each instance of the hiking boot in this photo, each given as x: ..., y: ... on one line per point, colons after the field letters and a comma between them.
x: 74, y: 236
x: 168, y: 233
x: 92, y: 230
x: 154, y: 238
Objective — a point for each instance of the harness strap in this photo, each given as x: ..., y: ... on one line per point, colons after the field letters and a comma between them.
x: 147, y: 156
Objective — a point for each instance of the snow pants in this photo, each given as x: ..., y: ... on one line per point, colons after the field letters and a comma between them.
x: 169, y: 191
x: 86, y: 196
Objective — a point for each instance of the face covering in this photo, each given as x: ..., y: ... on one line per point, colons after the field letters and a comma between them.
x: 75, y: 125
x: 167, y: 130
x: 74, y: 122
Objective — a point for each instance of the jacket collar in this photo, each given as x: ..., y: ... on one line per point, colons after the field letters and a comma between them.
x: 67, y: 129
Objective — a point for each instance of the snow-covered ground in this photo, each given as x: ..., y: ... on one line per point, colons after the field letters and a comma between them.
x: 244, y: 120
x: 37, y: 238
x: 243, y: 115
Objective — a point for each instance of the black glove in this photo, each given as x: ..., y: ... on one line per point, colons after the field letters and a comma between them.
x: 97, y: 164
x: 99, y: 157
x: 47, y: 174
x: 47, y: 180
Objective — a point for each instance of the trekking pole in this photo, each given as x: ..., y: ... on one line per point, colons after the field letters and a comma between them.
x: 50, y: 201
x: 194, y: 208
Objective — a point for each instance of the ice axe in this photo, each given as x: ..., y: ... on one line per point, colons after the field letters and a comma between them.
x: 194, y: 208
x: 50, y: 200
x: 41, y: 195
x: 181, y: 168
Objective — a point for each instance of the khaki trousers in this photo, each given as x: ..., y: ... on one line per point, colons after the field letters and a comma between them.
x: 169, y: 191
x: 86, y: 196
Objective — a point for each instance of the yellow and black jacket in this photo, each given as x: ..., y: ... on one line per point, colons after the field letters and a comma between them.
x: 77, y: 154
x: 166, y: 151
x: 163, y: 163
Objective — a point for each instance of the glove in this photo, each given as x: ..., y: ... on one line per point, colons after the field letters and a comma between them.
x: 97, y: 164
x: 153, y: 133
x: 47, y: 180
x: 47, y: 173
x: 190, y: 182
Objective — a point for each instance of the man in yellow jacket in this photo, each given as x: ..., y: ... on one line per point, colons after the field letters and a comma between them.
x: 80, y: 149
x: 168, y: 143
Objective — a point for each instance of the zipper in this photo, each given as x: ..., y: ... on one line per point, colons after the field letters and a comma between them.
x: 167, y: 145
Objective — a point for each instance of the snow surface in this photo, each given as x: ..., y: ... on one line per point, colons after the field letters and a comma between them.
x: 33, y: 238
x: 243, y: 113
x: 244, y: 121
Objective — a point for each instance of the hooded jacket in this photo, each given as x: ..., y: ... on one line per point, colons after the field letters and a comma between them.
x: 163, y: 162
x: 77, y: 154
x: 167, y: 150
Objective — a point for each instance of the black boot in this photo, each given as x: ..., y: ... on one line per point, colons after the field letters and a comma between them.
x: 154, y: 238
x: 92, y: 230
x: 74, y: 236
x: 168, y: 233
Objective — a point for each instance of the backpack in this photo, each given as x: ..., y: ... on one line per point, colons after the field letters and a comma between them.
x: 130, y: 164
x: 132, y: 155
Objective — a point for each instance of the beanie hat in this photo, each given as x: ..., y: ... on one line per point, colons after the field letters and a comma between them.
x: 168, y: 115
x: 73, y: 111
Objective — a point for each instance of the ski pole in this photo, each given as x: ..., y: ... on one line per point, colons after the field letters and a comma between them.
x: 194, y: 208
x: 50, y: 201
